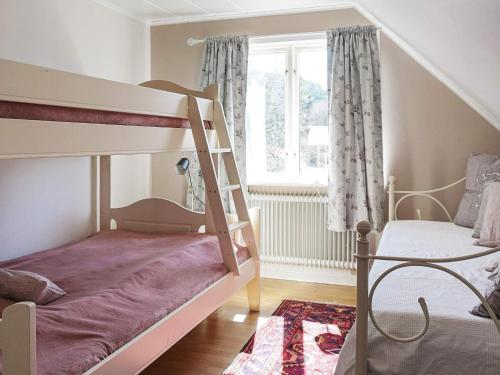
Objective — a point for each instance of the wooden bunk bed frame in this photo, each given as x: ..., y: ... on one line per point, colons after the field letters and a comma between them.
x: 38, y: 139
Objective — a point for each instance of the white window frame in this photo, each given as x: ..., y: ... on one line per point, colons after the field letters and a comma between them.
x: 291, y: 45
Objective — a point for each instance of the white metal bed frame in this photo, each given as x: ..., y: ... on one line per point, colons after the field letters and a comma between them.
x: 38, y: 139
x: 365, y: 294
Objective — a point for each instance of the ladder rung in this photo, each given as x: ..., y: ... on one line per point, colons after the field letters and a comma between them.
x: 229, y: 187
x: 220, y: 150
x: 236, y: 226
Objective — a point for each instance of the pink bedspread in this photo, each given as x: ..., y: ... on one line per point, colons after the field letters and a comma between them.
x: 118, y: 284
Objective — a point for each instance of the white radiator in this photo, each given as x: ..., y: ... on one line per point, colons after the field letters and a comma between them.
x: 294, y: 230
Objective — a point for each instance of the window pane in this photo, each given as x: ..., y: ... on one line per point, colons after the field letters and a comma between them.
x: 266, y: 113
x: 313, y: 115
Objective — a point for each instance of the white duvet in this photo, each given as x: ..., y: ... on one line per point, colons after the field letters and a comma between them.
x: 457, y: 342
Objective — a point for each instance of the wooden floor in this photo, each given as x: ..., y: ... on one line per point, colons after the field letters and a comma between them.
x: 212, y: 345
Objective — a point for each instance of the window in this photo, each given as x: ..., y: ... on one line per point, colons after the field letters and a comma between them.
x: 287, y: 113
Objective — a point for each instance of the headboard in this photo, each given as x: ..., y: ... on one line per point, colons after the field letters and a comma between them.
x: 404, y: 194
x: 157, y: 215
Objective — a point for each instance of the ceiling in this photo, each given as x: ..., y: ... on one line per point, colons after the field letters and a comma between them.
x: 175, y: 11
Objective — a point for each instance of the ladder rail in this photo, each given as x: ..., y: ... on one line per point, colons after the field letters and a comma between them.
x: 233, y: 175
x: 216, y: 220
x: 216, y: 209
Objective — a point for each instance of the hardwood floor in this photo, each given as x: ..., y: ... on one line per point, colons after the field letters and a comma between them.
x: 212, y: 345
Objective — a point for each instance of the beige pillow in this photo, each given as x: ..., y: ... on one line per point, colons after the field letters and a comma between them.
x: 28, y: 286
x: 482, y: 209
x: 481, y: 168
x: 490, y: 229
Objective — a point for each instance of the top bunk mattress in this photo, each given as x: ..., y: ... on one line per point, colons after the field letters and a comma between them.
x: 118, y: 284
x: 456, y: 342
x: 44, y: 112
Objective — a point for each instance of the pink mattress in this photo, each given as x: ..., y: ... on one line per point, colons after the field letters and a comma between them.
x: 43, y: 112
x: 118, y: 284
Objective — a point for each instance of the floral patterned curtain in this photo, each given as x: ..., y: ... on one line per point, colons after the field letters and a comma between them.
x: 225, y: 62
x: 356, y: 186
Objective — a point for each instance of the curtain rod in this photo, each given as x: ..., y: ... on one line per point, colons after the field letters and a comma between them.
x: 193, y: 41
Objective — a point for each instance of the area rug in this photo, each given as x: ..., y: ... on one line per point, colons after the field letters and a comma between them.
x: 299, y: 338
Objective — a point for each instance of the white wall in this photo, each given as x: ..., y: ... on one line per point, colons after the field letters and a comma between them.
x: 46, y: 203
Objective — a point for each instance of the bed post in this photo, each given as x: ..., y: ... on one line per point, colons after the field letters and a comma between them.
x: 104, y: 192
x: 392, y: 188
x: 94, y: 160
x: 362, y: 259
x: 253, y: 287
x: 18, y: 339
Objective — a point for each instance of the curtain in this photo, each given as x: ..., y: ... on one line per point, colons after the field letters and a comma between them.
x: 355, y: 175
x: 225, y: 61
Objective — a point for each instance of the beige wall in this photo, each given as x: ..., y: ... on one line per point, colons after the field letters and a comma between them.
x: 46, y: 203
x: 459, y: 38
x: 172, y: 59
x: 428, y: 131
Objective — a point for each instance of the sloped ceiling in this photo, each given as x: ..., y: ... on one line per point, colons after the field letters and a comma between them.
x: 458, y: 41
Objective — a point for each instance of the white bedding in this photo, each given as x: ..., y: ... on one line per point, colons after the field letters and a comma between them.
x: 456, y: 342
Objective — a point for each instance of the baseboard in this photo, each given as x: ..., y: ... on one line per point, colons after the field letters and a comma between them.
x: 308, y: 273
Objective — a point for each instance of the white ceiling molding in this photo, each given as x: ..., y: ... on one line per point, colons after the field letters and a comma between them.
x: 249, y: 14
x: 432, y: 69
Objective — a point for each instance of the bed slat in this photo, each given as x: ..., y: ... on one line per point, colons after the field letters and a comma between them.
x: 36, y: 139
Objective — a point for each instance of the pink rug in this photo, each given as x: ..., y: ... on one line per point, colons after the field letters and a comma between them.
x: 299, y: 338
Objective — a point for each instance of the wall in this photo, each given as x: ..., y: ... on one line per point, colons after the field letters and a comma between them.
x: 428, y: 131
x: 458, y: 38
x: 46, y: 203
x: 182, y: 66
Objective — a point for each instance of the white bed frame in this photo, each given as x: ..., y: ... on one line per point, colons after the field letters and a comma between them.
x: 38, y: 139
x: 365, y: 293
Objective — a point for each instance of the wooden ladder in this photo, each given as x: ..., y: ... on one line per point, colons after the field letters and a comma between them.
x: 209, y: 159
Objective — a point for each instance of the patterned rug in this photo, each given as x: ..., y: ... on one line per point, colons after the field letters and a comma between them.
x: 299, y: 338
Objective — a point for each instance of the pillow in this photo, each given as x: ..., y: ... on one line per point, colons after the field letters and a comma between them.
x: 493, y: 298
x: 492, y: 268
x: 28, y: 286
x: 481, y: 168
x: 490, y: 229
x: 482, y: 209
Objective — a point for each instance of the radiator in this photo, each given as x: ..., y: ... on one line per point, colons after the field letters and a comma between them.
x: 294, y: 230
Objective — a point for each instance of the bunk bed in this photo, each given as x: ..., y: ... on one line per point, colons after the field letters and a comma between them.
x: 149, y: 274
